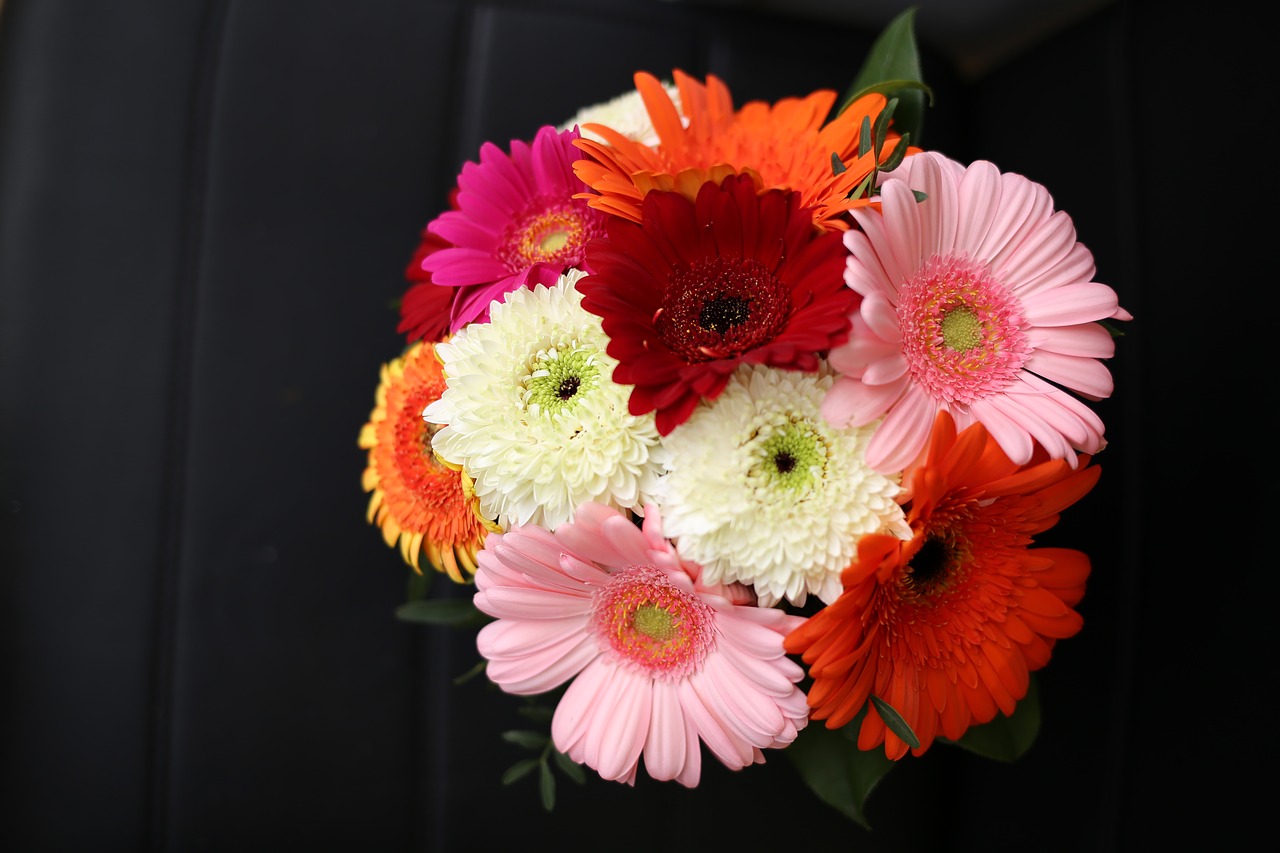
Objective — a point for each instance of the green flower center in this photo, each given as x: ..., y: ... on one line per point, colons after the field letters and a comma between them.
x: 654, y: 622
x: 559, y: 378
x: 961, y: 329
x: 791, y: 458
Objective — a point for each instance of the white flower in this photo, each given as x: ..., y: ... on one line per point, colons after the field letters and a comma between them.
x: 761, y: 489
x: 626, y: 114
x: 531, y: 414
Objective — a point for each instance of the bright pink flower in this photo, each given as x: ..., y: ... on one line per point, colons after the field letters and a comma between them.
x: 516, y: 223
x: 979, y: 301
x: 658, y: 660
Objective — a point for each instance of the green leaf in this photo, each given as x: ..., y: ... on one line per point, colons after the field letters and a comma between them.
x: 836, y: 770
x: 1007, y: 738
x: 454, y: 612
x: 892, y: 67
x: 837, y: 165
x: 894, y: 721
x: 547, y: 786
x: 529, y: 740
x: 519, y: 770
x: 571, y: 768
x: 537, y: 713
x: 471, y: 673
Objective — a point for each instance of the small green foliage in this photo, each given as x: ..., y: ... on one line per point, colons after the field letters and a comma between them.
x: 529, y: 740
x: 547, y: 754
x: 452, y: 612
x: 1006, y: 738
x: 894, y: 721
x: 892, y: 67
x: 837, y: 165
x: 471, y: 673
x: 833, y: 767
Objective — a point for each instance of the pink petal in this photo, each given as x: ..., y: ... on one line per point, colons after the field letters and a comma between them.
x: 886, y: 370
x: 1008, y: 433
x: 1087, y: 340
x: 545, y: 669
x: 509, y: 602
x: 939, y: 219
x: 1051, y: 242
x: 881, y: 318
x: 668, y: 741
x: 577, y: 710
x: 904, y: 432
x: 1070, y: 305
x: 624, y: 729
x: 979, y: 193
x: 458, y: 266
x: 1085, y: 375
x: 1076, y: 268
x: 849, y: 402
x: 715, y: 732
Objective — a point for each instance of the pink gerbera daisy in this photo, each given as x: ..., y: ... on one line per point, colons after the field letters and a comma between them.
x: 516, y: 223
x: 697, y: 288
x: 659, y: 661
x: 978, y: 301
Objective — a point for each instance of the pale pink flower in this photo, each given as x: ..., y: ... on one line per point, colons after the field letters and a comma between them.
x: 658, y: 660
x: 977, y: 300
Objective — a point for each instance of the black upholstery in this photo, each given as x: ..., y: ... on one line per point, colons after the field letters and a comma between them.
x: 206, y: 208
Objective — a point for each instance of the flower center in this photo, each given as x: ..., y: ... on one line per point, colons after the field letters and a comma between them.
x: 551, y: 232
x: 962, y: 331
x: 651, y: 625
x: 558, y: 378
x: 722, y: 307
x: 940, y: 564
x: 790, y: 457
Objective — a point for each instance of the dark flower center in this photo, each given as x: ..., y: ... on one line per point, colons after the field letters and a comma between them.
x: 568, y: 387
x: 721, y: 308
x: 724, y: 312
x: 784, y: 462
x: 930, y: 563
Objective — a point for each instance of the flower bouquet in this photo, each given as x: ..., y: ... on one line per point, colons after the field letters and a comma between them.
x: 742, y: 421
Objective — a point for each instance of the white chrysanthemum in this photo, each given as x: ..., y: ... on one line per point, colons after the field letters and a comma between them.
x: 531, y: 414
x: 626, y: 114
x: 761, y: 489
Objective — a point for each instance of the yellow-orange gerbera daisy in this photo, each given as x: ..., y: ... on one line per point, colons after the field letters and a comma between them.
x: 947, y: 626
x: 421, y: 506
x: 784, y: 146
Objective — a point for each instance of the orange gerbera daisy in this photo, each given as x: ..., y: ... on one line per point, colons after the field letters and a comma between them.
x: 946, y: 627
x: 421, y: 505
x: 784, y: 146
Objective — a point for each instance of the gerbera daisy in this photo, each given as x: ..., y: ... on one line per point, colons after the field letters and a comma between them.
x: 947, y: 626
x: 425, y: 307
x: 698, y: 287
x: 531, y: 415
x: 625, y: 114
x: 516, y: 223
x: 788, y: 146
x: 761, y: 489
x: 659, y: 660
x: 979, y: 301
x: 420, y: 505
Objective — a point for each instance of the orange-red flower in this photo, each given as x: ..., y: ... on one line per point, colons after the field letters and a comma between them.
x: 787, y: 145
x: 422, y: 506
x: 947, y: 626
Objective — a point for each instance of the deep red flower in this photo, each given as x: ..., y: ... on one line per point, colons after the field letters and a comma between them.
x: 699, y: 287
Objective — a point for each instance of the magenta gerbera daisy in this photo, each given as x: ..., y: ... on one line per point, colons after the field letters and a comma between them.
x: 697, y: 288
x: 516, y: 223
x: 658, y: 661
x: 977, y: 300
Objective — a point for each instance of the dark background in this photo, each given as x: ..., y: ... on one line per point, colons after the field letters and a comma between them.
x: 205, y: 212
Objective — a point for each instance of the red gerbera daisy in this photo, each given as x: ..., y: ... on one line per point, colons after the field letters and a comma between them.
x: 424, y: 310
x: 947, y: 626
x: 697, y: 288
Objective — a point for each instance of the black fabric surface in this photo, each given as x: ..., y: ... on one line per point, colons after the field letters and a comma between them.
x: 206, y: 208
